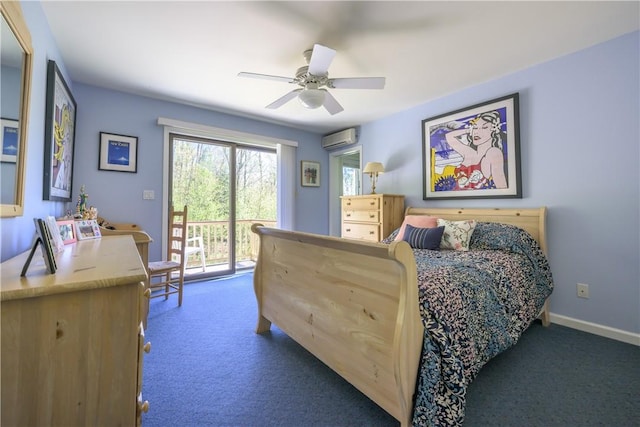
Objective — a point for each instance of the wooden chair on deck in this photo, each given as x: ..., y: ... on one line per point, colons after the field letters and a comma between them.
x: 167, y: 277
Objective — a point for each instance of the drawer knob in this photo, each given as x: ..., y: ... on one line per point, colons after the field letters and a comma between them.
x: 147, y: 347
x: 147, y: 293
x: 348, y: 230
x: 348, y: 215
x: 372, y: 233
x: 372, y: 216
x: 144, y: 407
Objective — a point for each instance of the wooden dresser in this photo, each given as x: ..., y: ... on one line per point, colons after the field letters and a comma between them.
x: 142, y: 240
x: 371, y: 217
x: 72, y: 342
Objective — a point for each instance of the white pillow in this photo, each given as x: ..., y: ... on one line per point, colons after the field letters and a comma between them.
x: 457, y: 234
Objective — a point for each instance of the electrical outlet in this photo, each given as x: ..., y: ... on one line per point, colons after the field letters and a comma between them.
x: 148, y: 195
x: 582, y: 290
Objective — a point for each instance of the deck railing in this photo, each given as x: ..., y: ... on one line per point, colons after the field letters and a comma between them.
x: 216, y: 244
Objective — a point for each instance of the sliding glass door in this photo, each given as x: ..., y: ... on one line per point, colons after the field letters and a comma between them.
x: 226, y: 187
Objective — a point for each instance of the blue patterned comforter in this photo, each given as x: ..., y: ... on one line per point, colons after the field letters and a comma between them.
x: 474, y: 305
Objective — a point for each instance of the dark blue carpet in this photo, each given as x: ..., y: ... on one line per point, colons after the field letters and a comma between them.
x: 207, y: 367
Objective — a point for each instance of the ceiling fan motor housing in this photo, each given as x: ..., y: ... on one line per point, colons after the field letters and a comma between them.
x: 303, y: 77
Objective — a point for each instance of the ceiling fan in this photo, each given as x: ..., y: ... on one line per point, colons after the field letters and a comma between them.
x: 313, y: 78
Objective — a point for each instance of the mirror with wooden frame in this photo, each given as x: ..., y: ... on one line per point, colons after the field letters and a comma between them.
x: 16, y: 61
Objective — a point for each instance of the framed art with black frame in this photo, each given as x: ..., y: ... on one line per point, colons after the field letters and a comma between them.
x: 118, y: 153
x: 59, y: 137
x: 473, y: 152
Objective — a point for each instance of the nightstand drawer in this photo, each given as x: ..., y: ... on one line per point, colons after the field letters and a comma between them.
x: 361, y: 231
x: 360, y: 204
x: 361, y: 216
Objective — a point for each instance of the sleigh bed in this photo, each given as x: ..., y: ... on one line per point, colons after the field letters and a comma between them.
x: 410, y: 328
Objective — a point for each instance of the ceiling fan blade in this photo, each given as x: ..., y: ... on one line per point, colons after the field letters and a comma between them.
x: 321, y: 58
x: 284, y: 99
x: 358, y: 83
x: 330, y: 103
x: 267, y: 77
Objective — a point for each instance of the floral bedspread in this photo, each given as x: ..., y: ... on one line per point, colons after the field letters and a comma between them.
x: 474, y: 305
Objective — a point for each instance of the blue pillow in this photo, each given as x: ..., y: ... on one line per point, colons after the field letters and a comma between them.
x: 423, y: 238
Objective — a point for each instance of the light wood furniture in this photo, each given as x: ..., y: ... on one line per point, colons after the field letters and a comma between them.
x: 142, y: 240
x: 72, y: 342
x: 354, y: 304
x: 371, y: 217
x: 166, y: 277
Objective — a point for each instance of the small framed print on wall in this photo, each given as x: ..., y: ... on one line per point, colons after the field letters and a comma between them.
x: 310, y: 173
x: 118, y: 153
x: 87, y: 229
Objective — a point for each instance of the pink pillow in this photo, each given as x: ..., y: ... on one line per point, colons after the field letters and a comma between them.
x: 420, y: 221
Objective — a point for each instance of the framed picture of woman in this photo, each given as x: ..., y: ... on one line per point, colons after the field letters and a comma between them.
x: 473, y: 152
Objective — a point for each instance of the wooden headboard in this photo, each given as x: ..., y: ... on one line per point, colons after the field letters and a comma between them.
x: 532, y: 220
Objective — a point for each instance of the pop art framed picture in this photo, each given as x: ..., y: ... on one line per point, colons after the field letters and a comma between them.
x: 473, y: 152
x: 59, y: 135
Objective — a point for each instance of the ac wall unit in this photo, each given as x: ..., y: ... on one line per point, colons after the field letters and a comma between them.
x: 339, y: 139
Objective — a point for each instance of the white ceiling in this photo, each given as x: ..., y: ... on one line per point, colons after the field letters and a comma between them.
x: 191, y: 52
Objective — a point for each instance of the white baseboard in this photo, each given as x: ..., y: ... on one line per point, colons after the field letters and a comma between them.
x: 594, y: 328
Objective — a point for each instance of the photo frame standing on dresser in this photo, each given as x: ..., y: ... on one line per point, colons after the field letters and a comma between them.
x: 42, y: 239
x: 87, y: 229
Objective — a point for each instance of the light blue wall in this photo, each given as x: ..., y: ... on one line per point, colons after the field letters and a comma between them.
x: 118, y: 195
x: 580, y: 138
x: 580, y: 141
x: 17, y: 233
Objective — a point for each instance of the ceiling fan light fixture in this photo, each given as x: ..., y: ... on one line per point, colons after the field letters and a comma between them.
x: 312, y: 98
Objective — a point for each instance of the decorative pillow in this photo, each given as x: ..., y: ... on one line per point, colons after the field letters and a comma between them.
x: 423, y: 238
x: 457, y: 234
x: 421, y: 221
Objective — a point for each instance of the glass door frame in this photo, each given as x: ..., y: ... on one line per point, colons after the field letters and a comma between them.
x: 231, y: 221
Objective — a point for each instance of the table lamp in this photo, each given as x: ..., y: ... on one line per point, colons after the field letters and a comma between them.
x: 373, y: 169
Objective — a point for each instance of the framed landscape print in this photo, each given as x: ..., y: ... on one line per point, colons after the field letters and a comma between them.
x: 59, y: 135
x: 118, y: 153
x: 473, y: 152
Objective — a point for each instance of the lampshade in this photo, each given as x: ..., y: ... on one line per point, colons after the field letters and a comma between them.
x: 373, y: 167
x: 312, y: 98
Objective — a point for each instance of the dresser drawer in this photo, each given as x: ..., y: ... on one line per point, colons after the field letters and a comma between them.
x: 360, y: 203
x: 361, y: 231
x: 361, y: 216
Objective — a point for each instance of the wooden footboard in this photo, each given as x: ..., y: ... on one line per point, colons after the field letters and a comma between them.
x: 352, y: 304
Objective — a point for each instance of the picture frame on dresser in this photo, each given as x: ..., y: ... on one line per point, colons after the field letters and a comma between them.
x: 67, y: 231
x: 42, y: 240
x: 87, y: 229
x: 473, y: 152
x: 309, y: 173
